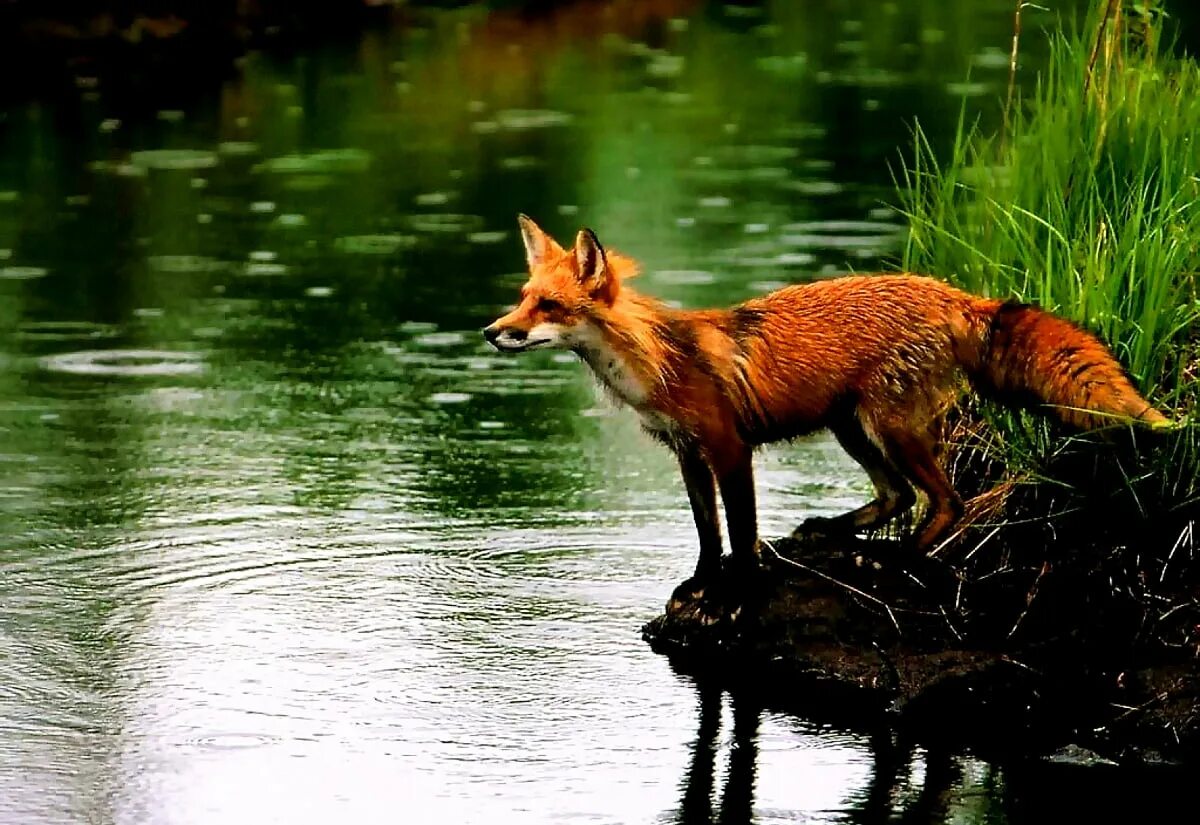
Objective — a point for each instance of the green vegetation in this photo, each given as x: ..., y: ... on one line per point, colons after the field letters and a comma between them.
x: 1087, y: 202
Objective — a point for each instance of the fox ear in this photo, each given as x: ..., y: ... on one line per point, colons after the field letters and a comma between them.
x: 592, y: 263
x: 538, y: 245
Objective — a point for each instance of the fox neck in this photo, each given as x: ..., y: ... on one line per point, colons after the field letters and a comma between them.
x: 628, y: 351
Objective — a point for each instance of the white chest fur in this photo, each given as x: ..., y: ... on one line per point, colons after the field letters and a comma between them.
x: 618, y: 377
x: 624, y: 384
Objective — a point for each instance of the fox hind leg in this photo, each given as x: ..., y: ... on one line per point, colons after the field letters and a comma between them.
x: 912, y: 451
x: 893, y: 493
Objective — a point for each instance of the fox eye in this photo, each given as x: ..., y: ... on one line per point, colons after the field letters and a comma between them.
x: 548, y: 305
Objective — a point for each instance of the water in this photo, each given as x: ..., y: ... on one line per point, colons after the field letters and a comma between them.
x: 284, y: 541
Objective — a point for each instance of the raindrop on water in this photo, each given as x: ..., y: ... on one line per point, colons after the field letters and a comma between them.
x: 486, y: 237
x: 264, y: 269
x: 433, y: 198
x: 666, y: 65
x: 439, y: 339
x: 969, y: 89
x: 22, y: 273
x: 417, y: 327
x: 520, y: 162
x: 684, y: 277
x: 185, y: 264
x: 237, y: 147
x: 813, y: 187
x: 445, y: 222
x: 374, y: 244
x: 790, y: 67
x: 174, y: 159
x: 329, y: 161
x: 991, y: 58
x: 520, y: 119
x: 131, y: 363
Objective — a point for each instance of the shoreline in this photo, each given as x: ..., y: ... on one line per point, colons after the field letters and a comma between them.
x: 866, y: 631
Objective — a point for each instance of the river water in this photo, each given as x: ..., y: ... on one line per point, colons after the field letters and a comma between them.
x: 282, y: 540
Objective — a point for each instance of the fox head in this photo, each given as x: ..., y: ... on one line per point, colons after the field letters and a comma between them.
x: 560, y: 302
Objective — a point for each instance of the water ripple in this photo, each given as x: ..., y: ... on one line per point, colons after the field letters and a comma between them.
x: 132, y: 362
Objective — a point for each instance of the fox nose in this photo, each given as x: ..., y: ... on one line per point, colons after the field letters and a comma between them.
x: 493, y: 332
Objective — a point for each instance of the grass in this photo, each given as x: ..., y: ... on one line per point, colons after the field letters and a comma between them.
x: 1086, y: 202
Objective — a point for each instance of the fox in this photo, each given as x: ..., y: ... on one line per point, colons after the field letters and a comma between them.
x: 878, y: 360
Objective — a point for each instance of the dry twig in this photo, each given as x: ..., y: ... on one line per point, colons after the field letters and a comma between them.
x: 813, y: 571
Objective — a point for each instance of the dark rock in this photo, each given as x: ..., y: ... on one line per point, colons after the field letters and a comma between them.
x: 871, y: 630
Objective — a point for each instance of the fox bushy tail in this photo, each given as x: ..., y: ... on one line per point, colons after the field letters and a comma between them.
x: 1028, y: 356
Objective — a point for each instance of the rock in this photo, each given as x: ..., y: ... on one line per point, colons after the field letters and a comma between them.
x: 870, y: 630
x: 1079, y: 756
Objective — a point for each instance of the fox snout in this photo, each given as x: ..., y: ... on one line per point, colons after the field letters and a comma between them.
x: 505, y: 339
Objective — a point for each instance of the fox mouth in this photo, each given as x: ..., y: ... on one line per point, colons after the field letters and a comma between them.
x: 519, y: 346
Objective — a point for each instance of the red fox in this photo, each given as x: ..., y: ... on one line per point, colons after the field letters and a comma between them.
x: 875, y: 359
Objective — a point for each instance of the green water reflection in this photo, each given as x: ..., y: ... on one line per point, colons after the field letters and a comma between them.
x: 284, y: 541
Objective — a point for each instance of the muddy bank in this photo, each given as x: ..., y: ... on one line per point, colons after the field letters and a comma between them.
x: 861, y: 627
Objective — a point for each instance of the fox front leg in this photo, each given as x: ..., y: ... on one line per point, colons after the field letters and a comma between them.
x: 717, y: 594
x: 702, y: 494
x: 736, y: 479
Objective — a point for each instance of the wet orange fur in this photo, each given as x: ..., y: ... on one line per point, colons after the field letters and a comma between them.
x: 877, y: 359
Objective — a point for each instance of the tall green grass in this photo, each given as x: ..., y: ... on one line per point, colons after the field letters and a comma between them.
x: 1087, y: 202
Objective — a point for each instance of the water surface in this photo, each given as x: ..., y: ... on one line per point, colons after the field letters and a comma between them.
x: 284, y: 541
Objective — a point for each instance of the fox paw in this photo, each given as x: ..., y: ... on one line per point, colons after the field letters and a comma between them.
x: 712, y: 601
x: 689, y: 594
x: 822, y: 526
x: 704, y: 601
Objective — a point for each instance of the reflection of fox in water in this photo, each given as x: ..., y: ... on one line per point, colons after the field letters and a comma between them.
x: 876, y: 359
